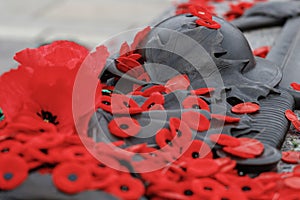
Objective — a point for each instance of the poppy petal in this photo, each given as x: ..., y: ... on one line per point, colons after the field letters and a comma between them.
x: 164, y: 137
x: 198, y: 149
x: 292, y: 182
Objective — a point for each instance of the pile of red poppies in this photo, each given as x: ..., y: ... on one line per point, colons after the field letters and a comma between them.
x: 38, y: 133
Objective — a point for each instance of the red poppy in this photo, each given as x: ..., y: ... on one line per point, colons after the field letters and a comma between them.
x: 245, y: 108
x: 154, y: 99
x: 71, y: 178
x: 202, y: 167
x: 205, y: 17
x: 124, y: 127
x: 292, y: 157
x: 195, y: 103
x: 225, y: 140
x: 295, y: 86
x: 231, y: 193
x: 179, y: 82
x: 197, y: 149
x: 202, y: 91
x: 127, y: 188
x: 11, y: 147
x: 196, y: 120
x: 57, y: 54
x: 119, y: 104
x: 290, y: 115
x: 36, y: 155
x: 250, y: 187
x: 164, y: 137
x: 237, y: 10
x: 181, y: 130
x: 144, y: 77
x: 226, y: 119
x: 262, y: 51
x: 156, y: 88
x: 13, y: 171
x: 141, y: 148
x: 248, y: 148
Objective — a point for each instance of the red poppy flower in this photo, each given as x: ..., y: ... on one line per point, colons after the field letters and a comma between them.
x: 201, y: 12
x: 154, y: 99
x: 164, y: 137
x: 71, y: 178
x: 295, y: 86
x: 119, y: 104
x: 195, y: 103
x: 202, y: 167
x: 197, y: 149
x: 57, y: 54
x: 225, y: 140
x: 245, y: 108
x: 181, y: 130
x: 262, y: 51
x: 290, y: 115
x: 292, y: 157
x: 36, y: 155
x: 232, y: 193
x: 13, y: 171
x: 237, y: 10
x: 202, y: 91
x: 124, y: 127
x: 11, y: 147
x: 156, y: 88
x: 127, y: 188
x: 248, y: 148
x: 226, y: 119
x: 179, y: 82
x: 250, y: 187
x: 196, y: 120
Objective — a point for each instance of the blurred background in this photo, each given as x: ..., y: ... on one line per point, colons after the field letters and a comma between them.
x: 30, y: 23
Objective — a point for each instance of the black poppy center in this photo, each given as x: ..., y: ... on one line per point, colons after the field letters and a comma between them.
x: 195, y: 106
x: 124, y: 126
x: 8, y: 176
x: 195, y: 155
x: 208, y: 188
x: 179, y: 133
x: 48, y: 117
x: 152, y: 104
x: 246, y: 188
x: 4, y: 150
x: 188, y: 193
x: 72, y: 177
x: 124, y: 188
x: 106, y: 103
